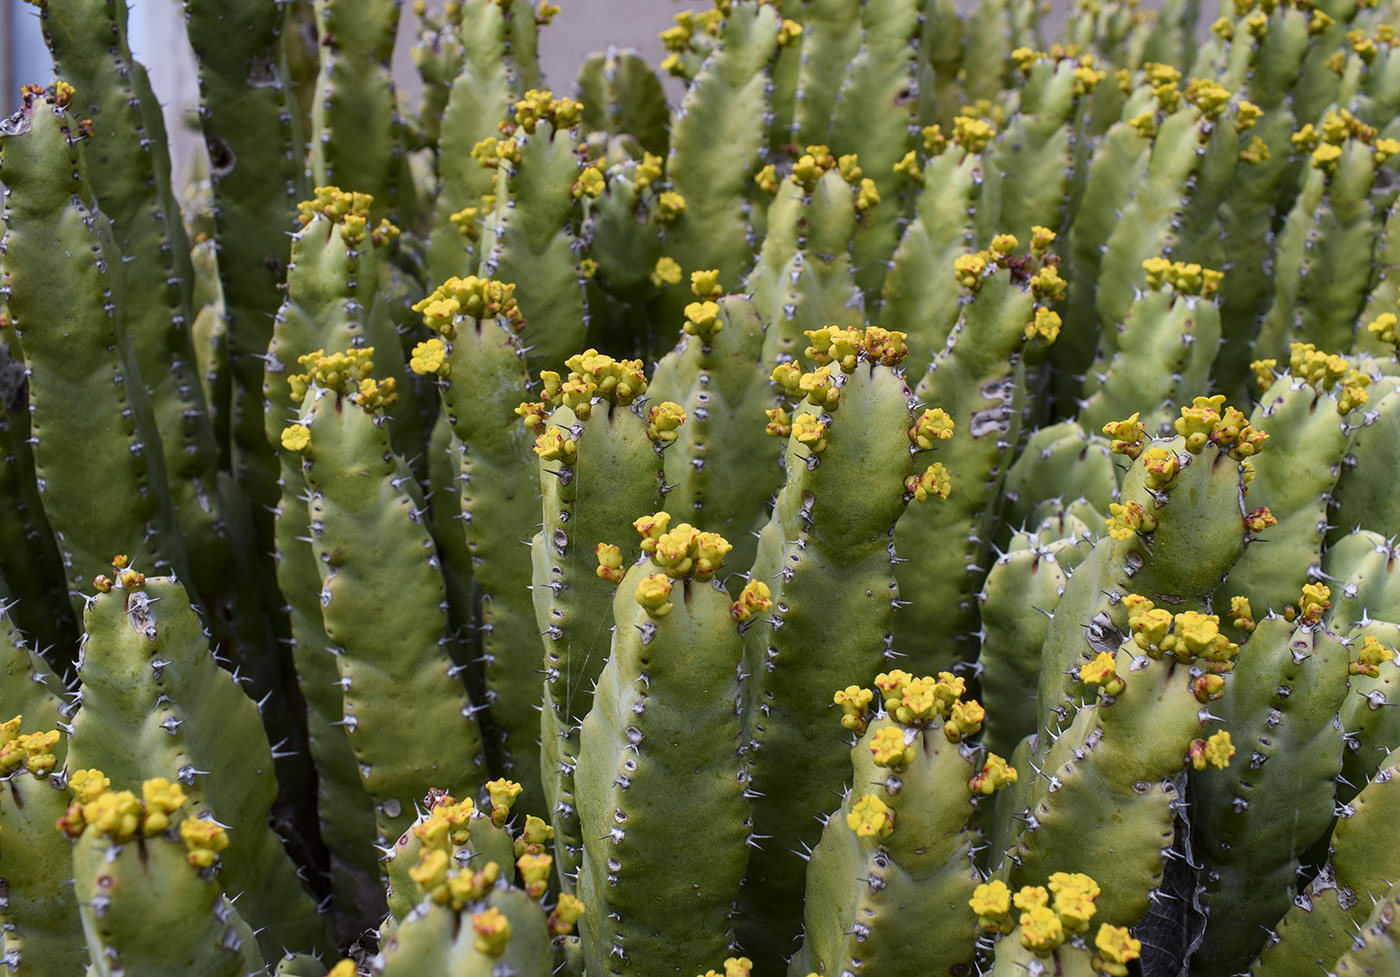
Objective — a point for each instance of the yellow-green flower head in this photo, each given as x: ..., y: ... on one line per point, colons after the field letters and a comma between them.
x: 565, y: 915
x: 849, y: 168
x: 465, y: 222
x: 204, y: 840
x: 1162, y: 467
x: 820, y: 389
x: 755, y: 598
x: 871, y: 817
x: 890, y: 748
x: 1197, y: 635
x: 909, y: 168
x: 1116, y: 950
x: 467, y: 886
x: 1215, y: 752
x: 162, y: 799
x: 651, y: 528
x: 1197, y: 422
x: 669, y: 206
x: 1315, y: 602
x: 666, y: 272
x: 834, y: 345
x: 934, y: 481
x: 335, y: 205
x: 1370, y: 657
x: 702, y: 320
x: 492, y: 932
x: 1325, y: 158
x: 1208, y: 96
x: 964, y: 719
x: 868, y: 194
x: 654, y: 594
x: 589, y: 184
x: 1150, y: 628
x: 534, y: 415
x: 1030, y: 897
x: 968, y: 269
x: 346, y: 968
x: 991, y: 901
x: 534, y: 873
x: 1126, y: 437
x: 1100, y: 672
x: 935, y: 142
x: 1047, y: 285
x: 1126, y: 520
x: 933, y: 424
x: 1074, y: 900
x: 808, y: 430
x: 892, y: 686
x: 609, y: 562
x: 503, y: 794
x: 88, y: 785
x: 788, y: 376
x: 532, y: 840
x: 738, y: 967
x: 648, y: 171
x: 855, y: 703
x: 973, y: 134
x: 430, y: 874
x: 115, y: 814
x: 995, y: 774
x: 1041, y: 930
x: 429, y: 358
x: 34, y: 750
x: 663, y: 422
x: 705, y: 285
x: 884, y: 346
x: 554, y: 445
x: 1045, y: 327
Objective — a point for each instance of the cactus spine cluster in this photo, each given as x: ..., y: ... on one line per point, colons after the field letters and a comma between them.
x: 921, y: 504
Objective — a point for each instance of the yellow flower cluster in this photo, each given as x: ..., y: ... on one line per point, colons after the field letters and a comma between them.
x: 1203, y: 422
x: 541, y: 106
x: 1370, y: 657
x: 995, y: 774
x: 594, y: 376
x: 755, y: 598
x: 1329, y: 372
x: 1182, y: 277
x: 832, y: 345
x: 469, y: 298
x: 121, y: 816
x: 1189, y: 636
x: 1214, y: 752
x: 33, y: 751
x: 870, y: 817
x: 350, y: 211
x: 1050, y: 917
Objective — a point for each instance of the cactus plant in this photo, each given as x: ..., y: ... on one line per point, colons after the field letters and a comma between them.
x: 922, y: 502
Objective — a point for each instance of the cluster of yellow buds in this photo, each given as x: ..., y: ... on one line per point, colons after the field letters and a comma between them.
x: 491, y: 152
x: 590, y: 183
x: 1370, y: 657
x: 832, y: 345
x: 1204, y: 422
x: 1328, y: 371
x: 1052, y: 914
x: 1126, y: 437
x: 469, y: 298
x: 1241, y: 614
x: 871, y: 817
x: 594, y: 375
x: 565, y: 914
x: 755, y: 598
x: 1182, y: 277
x: 33, y: 751
x: 1125, y: 521
x: 502, y: 794
x: 683, y: 552
x: 348, y: 375
x: 922, y: 701
x: 1101, y: 673
x: 933, y: 424
x: 492, y: 930
x: 446, y: 829
x: 812, y: 165
x: 664, y: 421
x: 541, y: 106
x: 350, y: 211
x: 121, y: 816
x: 995, y: 774
x: 1208, y: 96
x: 1161, y: 466
x: 932, y: 481
x: 1214, y: 752
x: 702, y: 317
x: 1383, y: 326
x: 1325, y: 140
x: 1164, y: 80
x: 733, y: 967
x: 855, y: 707
x: 1189, y: 636
x: 1312, y: 606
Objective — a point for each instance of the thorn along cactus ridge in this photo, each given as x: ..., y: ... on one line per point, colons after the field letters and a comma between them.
x: 922, y: 503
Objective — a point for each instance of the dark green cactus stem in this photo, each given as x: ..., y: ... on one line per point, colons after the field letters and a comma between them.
x: 978, y: 378
x: 600, y: 465
x: 155, y: 704
x: 482, y: 379
x: 730, y: 469
x: 129, y: 169
x: 331, y: 303
x: 1276, y: 799
x: 1329, y: 910
x: 1065, y: 460
x: 1359, y: 499
x: 889, y: 884
x: 42, y: 931
x: 660, y: 785
x: 406, y: 711
x: 530, y: 235
x: 91, y: 425
x: 1323, y: 267
x: 354, y: 125
x: 826, y: 554
x: 31, y: 568
x: 1375, y: 950
x: 621, y: 95
x: 714, y: 140
x: 1367, y: 720
x: 146, y: 906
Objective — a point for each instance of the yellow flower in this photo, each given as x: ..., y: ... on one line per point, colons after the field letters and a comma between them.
x: 204, y: 840
x: 1116, y: 950
x: 666, y: 272
x: 654, y: 594
x: 429, y: 357
x: 492, y: 932
x: 869, y: 817
x: 162, y: 799
x: 991, y: 901
x: 1041, y: 930
x: 995, y: 774
x: 753, y: 599
x: 296, y: 438
x: 889, y: 748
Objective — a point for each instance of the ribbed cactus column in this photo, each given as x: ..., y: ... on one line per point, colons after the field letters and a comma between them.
x: 660, y: 785
x: 479, y: 367
x: 155, y: 704
x: 825, y: 555
x: 407, y: 714
x: 601, y: 466
x: 91, y: 426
